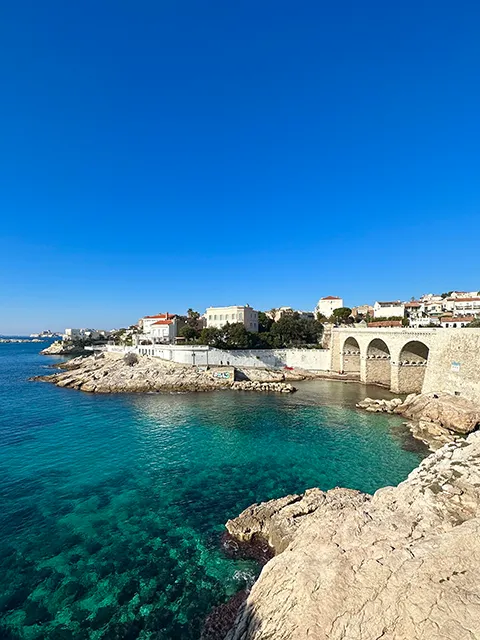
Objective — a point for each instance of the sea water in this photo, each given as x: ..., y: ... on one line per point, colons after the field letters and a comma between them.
x: 112, y: 507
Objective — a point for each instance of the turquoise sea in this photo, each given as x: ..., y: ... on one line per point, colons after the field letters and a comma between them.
x: 112, y: 507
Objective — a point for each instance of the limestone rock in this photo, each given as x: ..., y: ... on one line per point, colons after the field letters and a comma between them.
x: 454, y: 413
x: 436, y: 418
x: 60, y: 348
x: 403, y: 564
x: 112, y: 373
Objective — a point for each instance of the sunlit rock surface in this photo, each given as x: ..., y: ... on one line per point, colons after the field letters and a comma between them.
x: 401, y: 564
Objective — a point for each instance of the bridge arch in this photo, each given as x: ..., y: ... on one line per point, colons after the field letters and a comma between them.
x: 351, y: 356
x: 412, y: 365
x: 378, y: 363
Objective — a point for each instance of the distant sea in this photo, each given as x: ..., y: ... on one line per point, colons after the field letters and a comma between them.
x: 113, y: 506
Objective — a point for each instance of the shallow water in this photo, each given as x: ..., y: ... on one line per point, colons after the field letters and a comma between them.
x: 112, y: 507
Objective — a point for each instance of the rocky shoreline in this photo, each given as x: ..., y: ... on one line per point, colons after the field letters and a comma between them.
x: 403, y: 563
x: 115, y: 373
x: 60, y: 348
x: 433, y: 418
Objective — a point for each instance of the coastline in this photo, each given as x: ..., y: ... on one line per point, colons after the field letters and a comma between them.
x: 107, y: 372
x: 114, y: 373
x: 388, y: 565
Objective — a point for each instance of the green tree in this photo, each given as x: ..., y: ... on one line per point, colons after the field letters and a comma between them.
x: 264, y: 322
x: 192, y: 318
x: 341, y: 315
x: 236, y: 336
x: 292, y: 330
x: 211, y: 337
x: 188, y: 332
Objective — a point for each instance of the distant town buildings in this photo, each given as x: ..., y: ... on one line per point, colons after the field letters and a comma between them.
x: 453, y: 310
x: 218, y: 317
x: 362, y: 311
x: 280, y: 312
x: 326, y: 306
x: 463, y: 306
x: 85, y: 334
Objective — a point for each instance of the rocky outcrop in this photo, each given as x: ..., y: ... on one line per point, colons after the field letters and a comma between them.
x: 60, y: 348
x: 436, y: 418
x: 401, y: 564
x: 113, y: 373
x: 453, y: 413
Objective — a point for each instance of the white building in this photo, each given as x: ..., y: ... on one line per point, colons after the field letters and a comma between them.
x: 159, y: 328
x: 82, y: 334
x: 463, y: 306
x: 435, y: 306
x: 218, y: 317
x: 456, y: 323
x: 73, y: 334
x: 326, y: 306
x: 431, y: 297
x: 463, y: 294
x: 389, y: 309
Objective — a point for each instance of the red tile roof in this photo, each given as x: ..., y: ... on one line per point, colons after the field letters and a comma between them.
x: 162, y: 322
x: 385, y: 323
x: 413, y: 304
x: 460, y: 319
x: 463, y: 299
x: 331, y: 298
x: 161, y: 316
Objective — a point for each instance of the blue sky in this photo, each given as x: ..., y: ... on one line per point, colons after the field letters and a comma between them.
x: 156, y: 156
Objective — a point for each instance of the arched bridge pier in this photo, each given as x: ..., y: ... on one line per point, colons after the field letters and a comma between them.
x: 394, y: 358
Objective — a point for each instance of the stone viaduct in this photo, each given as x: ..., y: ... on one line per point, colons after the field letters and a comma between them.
x: 394, y: 358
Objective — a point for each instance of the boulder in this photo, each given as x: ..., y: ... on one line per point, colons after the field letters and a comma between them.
x: 401, y: 564
x: 453, y: 413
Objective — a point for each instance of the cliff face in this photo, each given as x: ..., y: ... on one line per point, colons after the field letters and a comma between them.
x: 402, y: 564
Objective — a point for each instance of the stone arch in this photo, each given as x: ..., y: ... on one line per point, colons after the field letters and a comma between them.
x: 414, y: 353
x: 351, y: 356
x: 412, y: 365
x: 378, y: 363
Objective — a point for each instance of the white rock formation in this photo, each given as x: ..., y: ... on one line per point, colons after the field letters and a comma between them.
x: 112, y: 373
x: 403, y: 564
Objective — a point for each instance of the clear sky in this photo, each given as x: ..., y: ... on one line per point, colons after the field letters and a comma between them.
x: 161, y: 155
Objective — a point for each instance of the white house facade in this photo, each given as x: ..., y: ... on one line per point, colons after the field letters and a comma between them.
x: 456, y: 323
x: 389, y: 309
x: 463, y: 306
x: 160, y: 328
x: 218, y: 317
x: 326, y: 306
